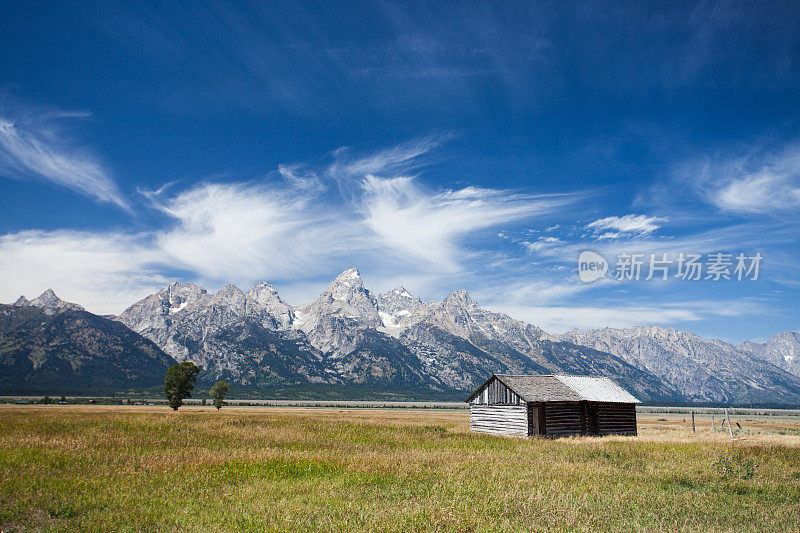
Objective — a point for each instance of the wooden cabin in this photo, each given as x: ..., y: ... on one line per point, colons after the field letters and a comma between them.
x: 551, y: 406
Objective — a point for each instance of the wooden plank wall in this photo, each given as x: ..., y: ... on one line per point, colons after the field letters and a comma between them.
x: 509, y: 420
x: 616, y: 418
x: 563, y: 419
x: 496, y: 393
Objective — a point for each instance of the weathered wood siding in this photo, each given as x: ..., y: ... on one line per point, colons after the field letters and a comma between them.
x: 616, y: 418
x: 495, y: 392
x: 499, y: 419
x: 496, y: 408
x: 562, y: 419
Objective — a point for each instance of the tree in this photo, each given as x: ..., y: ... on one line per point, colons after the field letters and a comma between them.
x: 218, y: 392
x: 179, y: 382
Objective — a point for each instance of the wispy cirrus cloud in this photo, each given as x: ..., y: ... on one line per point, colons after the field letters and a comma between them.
x: 748, y: 236
x: 304, y: 222
x: 625, y: 226
x: 315, y: 214
x: 562, y: 318
x: 429, y: 226
x: 402, y: 159
x: 759, y: 182
x: 389, y: 212
x: 240, y: 230
x: 32, y: 146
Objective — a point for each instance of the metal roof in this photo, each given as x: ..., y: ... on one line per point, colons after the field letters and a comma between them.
x: 551, y: 388
x: 597, y: 389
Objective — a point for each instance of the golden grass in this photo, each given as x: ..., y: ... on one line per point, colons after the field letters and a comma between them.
x: 287, y: 469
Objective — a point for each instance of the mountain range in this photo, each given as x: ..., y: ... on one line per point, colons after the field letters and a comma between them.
x: 705, y: 370
x: 351, y: 337
x: 782, y: 350
x: 51, y: 346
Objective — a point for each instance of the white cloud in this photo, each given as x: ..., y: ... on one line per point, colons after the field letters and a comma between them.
x: 516, y: 291
x: 399, y: 159
x: 299, y: 227
x: 757, y: 193
x: 769, y: 237
x: 247, y: 231
x: 759, y: 182
x: 430, y: 227
x: 543, y: 243
x: 104, y: 272
x: 316, y: 216
x: 559, y: 319
x: 625, y: 226
x: 34, y: 148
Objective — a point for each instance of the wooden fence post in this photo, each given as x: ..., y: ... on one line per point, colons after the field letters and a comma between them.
x: 693, y: 431
x: 728, y: 420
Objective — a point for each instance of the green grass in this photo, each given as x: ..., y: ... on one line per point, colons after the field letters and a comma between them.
x: 148, y: 469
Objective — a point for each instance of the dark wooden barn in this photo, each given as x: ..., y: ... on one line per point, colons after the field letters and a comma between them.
x: 552, y: 406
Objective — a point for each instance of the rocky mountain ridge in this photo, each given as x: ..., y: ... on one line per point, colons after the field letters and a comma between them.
x: 48, y: 302
x: 707, y: 370
x: 350, y: 335
x: 53, y: 346
x: 782, y: 350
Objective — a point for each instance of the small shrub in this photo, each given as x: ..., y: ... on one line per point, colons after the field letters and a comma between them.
x: 735, y: 465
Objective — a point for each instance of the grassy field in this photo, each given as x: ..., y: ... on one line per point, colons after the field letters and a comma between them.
x: 288, y: 469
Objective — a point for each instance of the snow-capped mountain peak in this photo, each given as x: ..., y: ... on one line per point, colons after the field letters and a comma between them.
x: 262, y: 287
x: 459, y: 298
x: 175, y: 297
x: 349, y: 274
x: 399, y: 310
x: 350, y: 335
x: 345, y: 298
x: 401, y: 291
x: 229, y: 294
x: 345, y: 284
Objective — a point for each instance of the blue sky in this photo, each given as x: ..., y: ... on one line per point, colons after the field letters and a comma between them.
x: 440, y: 145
